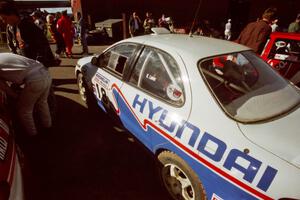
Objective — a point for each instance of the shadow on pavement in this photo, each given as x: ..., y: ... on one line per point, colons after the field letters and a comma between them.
x: 72, y: 91
x: 84, y: 158
x: 64, y: 65
x: 57, y: 82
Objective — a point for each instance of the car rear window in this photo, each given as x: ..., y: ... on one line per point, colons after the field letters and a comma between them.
x: 247, y: 88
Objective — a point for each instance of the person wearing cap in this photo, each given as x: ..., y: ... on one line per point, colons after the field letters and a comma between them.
x: 227, y: 32
x: 294, y: 27
x: 36, y: 79
x: 256, y: 34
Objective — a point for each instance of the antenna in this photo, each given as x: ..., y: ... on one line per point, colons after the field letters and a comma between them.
x: 195, y: 18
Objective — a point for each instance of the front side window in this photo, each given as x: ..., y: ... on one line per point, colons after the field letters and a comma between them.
x: 247, y: 88
x: 115, y: 59
x: 158, y: 73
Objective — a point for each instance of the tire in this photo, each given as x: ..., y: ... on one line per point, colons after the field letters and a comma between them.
x: 86, y: 96
x: 178, y: 178
x: 82, y: 87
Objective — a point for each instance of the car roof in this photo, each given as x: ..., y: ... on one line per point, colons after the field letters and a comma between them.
x: 295, y: 36
x: 196, y: 46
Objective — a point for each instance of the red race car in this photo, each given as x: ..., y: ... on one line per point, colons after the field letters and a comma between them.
x: 282, y: 52
x: 11, y: 184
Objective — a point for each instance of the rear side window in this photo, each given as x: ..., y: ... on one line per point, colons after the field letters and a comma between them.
x: 116, y: 58
x: 158, y: 73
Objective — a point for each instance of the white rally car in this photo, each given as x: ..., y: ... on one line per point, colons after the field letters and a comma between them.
x: 221, y: 122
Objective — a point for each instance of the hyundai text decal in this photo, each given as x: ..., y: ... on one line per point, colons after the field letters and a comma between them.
x: 231, y: 161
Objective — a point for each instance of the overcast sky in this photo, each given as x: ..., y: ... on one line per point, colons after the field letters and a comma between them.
x: 54, y: 10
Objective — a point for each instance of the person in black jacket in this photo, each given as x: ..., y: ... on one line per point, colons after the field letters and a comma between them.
x: 135, y: 25
x: 24, y: 37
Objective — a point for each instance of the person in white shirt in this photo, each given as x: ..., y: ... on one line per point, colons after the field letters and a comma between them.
x: 36, y: 79
x: 227, y: 32
x: 274, y: 25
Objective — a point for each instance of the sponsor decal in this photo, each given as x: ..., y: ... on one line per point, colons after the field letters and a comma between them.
x: 174, y: 92
x: 234, y: 160
x: 281, y: 56
x: 230, y: 161
x: 102, y: 80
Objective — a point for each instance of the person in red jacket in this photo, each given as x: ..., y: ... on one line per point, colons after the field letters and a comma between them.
x: 66, y: 29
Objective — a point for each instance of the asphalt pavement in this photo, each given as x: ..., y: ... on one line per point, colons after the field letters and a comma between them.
x: 83, y: 157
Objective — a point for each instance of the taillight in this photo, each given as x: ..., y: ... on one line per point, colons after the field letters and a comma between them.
x: 4, y: 190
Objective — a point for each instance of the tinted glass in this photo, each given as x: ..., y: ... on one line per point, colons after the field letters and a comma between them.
x: 117, y: 57
x: 247, y: 88
x: 158, y: 73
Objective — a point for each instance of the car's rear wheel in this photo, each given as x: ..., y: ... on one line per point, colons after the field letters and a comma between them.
x: 179, y: 179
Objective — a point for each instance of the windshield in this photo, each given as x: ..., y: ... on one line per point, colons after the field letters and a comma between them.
x: 247, y: 88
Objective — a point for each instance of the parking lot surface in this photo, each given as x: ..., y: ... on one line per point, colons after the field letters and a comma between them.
x: 84, y: 157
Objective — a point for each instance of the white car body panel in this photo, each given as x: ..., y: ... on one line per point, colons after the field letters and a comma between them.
x: 17, y: 192
x: 282, y: 137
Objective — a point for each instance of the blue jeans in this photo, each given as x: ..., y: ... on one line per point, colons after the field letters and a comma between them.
x: 34, y: 97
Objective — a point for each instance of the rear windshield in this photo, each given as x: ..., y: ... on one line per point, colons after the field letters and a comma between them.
x: 247, y: 88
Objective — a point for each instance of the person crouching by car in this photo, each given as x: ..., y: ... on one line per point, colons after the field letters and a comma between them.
x: 36, y: 79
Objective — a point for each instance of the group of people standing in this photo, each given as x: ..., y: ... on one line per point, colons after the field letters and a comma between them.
x: 64, y: 27
x: 63, y: 32
x: 24, y: 74
x: 139, y: 27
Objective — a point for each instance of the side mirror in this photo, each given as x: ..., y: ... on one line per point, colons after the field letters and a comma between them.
x: 94, y: 61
